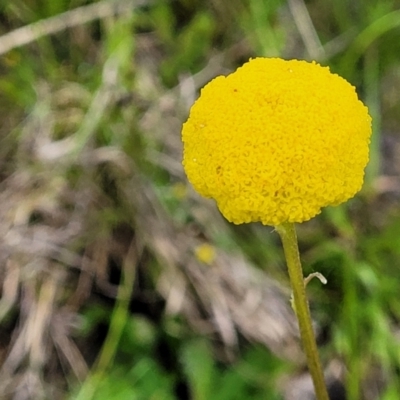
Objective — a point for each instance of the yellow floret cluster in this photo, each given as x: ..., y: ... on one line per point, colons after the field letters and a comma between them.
x: 276, y: 141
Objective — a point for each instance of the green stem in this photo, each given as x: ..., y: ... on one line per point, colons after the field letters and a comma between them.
x: 118, y: 320
x: 288, y: 236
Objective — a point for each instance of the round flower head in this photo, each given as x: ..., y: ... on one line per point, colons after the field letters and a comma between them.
x: 276, y: 141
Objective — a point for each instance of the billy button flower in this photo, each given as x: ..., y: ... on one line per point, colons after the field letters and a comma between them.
x: 275, y: 141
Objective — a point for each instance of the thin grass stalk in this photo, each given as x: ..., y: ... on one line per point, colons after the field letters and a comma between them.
x: 118, y: 321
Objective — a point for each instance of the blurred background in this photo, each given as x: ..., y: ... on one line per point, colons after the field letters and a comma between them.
x: 118, y: 281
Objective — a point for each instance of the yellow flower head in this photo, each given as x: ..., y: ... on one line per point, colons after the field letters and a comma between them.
x: 276, y: 140
x: 205, y: 253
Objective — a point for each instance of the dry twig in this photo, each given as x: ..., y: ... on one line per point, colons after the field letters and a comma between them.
x: 69, y: 19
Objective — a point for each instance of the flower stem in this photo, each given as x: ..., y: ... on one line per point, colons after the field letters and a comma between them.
x: 288, y: 236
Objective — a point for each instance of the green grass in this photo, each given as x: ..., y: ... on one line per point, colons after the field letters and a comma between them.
x: 90, y: 156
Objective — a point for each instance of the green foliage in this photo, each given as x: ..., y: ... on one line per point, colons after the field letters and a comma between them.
x: 363, y: 271
x: 189, y: 47
x: 263, y: 29
x: 139, y: 373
